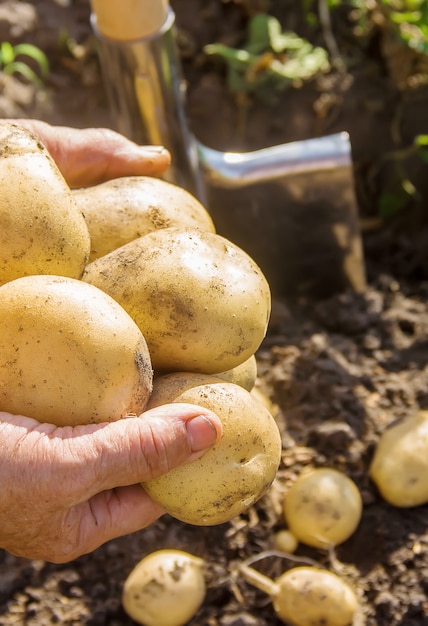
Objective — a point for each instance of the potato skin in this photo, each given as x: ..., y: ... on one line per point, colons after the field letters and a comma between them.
x: 232, y: 475
x: 323, y: 507
x: 399, y: 467
x: 42, y: 231
x: 69, y: 354
x: 124, y: 209
x: 166, y: 588
x: 309, y: 596
x: 244, y: 374
x: 201, y: 302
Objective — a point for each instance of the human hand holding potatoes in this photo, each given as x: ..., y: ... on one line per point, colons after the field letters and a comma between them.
x: 66, y: 490
x: 81, y: 344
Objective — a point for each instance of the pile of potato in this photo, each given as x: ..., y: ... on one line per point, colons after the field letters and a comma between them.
x: 120, y: 297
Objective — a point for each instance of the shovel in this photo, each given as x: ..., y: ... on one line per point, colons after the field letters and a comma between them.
x: 292, y: 207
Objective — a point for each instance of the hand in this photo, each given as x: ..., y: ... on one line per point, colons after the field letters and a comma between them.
x: 66, y: 491
x: 91, y: 156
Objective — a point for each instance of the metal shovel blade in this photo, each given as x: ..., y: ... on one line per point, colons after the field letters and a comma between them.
x: 292, y: 207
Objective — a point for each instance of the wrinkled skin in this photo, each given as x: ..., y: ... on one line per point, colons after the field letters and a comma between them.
x: 66, y: 491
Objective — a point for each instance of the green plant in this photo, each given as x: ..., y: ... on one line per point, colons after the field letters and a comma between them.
x: 270, y: 60
x: 11, y: 61
x: 409, y: 18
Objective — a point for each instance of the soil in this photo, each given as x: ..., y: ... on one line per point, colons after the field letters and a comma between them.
x: 338, y: 368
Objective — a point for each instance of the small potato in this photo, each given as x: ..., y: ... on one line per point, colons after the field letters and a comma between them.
x: 308, y: 596
x: 166, y: 588
x: 232, y: 475
x: 285, y: 541
x: 244, y: 375
x: 42, y: 231
x: 69, y: 354
x: 400, y: 463
x: 323, y: 507
x: 201, y: 302
x: 124, y: 209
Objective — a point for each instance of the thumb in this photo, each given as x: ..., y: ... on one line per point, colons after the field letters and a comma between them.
x: 137, y: 449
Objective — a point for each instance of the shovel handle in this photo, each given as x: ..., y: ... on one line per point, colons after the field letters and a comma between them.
x: 128, y: 20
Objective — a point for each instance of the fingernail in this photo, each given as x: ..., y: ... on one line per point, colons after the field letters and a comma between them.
x: 153, y: 149
x: 202, y: 433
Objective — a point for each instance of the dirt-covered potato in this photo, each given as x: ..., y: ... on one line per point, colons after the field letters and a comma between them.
x: 309, y: 596
x: 323, y: 507
x: 399, y: 467
x: 42, y: 231
x: 69, y: 354
x: 124, y: 209
x: 234, y: 473
x: 166, y: 588
x: 201, y: 302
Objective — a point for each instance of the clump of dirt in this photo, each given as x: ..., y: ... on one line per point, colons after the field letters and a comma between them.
x: 338, y: 370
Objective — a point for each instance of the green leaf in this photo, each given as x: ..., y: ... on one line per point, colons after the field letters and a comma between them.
x: 34, y: 53
x: 7, y: 54
x: 421, y: 140
x: 259, y: 37
x: 17, y: 67
x: 424, y: 155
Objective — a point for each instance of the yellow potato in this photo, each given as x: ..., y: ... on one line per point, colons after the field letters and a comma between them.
x: 166, y: 588
x: 400, y: 463
x: 309, y: 596
x: 201, y: 302
x: 124, y: 209
x: 244, y: 375
x: 69, y: 354
x: 237, y: 471
x: 42, y: 231
x: 323, y: 507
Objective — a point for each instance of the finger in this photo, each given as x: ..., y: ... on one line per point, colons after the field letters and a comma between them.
x: 91, y: 156
x: 111, y: 514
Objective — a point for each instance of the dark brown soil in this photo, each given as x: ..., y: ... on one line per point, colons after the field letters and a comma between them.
x: 339, y: 368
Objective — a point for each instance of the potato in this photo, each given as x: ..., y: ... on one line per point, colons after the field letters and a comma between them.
x: 399, y: 467
x: 285, y: 541
x: 42, y: 231
x: 233, y: 474
x: 201, y: 302
x: 69, y: 354
x: 244, y: 375
x: 323, y: 507
x: 309, y: 596
x: 166, y: 588
x: 124, y: 209
x: 261, y: 397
